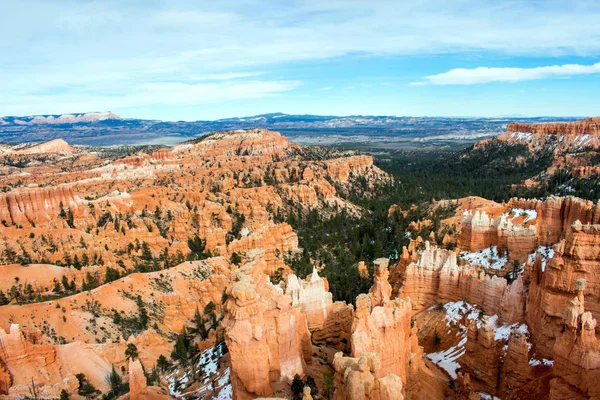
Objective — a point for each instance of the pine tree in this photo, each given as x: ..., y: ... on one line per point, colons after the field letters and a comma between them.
x: 3, y: 299
x: 236, y: 259
x: 131, y: 352
x: 310, y: 382
x: 76, y: 263
x: 162, y: 363
x: 297, y: 387
x: 115, y: 381
x: 328, y: 383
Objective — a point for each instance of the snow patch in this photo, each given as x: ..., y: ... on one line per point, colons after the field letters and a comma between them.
x: 487, y: 258
x: 447, y: 359
x: 544, y: 361
x: 456, y: 310
x: 487, y: 396
x: 583, y: 140
x: 207, y: 369
x: 503, y: 331
x: 457, y: 313
x: 546, y: 253
x: 521, y: 135
x: 529, y: 215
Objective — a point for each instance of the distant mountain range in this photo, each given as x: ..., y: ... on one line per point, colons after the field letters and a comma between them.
x: 107, y: 128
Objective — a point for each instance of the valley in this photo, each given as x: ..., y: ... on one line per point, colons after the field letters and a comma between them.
x: 248, y: 263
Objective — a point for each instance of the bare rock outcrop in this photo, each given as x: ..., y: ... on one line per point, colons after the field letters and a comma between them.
x: 34, y: 206
x: 589, y: 126
x: 481, y: 359
x: 509, y: 231
x: 255, y: 142
x: 479, y: 231
x: 436, y: 278
x: 267, y: 338
x: 516, y: 371
x: 137, y: 380
x: 386, y: 330
x: 576, y: 257
x: 381, y: 291
x: 311, y: 298
x: 577, y: 353
x: 52, y: 368
x: 464, y: 390
x: 561, y: 137
x: 360, y: 378
x: 555, y: 215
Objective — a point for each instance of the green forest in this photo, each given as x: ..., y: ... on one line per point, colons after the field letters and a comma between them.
x: 341, y: 240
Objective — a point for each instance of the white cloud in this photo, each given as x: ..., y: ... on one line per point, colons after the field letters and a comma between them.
x: 479, y: 75
x: 150, y: 94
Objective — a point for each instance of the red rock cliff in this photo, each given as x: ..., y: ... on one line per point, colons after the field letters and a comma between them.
x: 589, y: 126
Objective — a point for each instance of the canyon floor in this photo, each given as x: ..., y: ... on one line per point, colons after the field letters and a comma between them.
x: 241, y: 265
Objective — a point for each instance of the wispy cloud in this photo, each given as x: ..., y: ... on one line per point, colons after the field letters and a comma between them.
x: 144, y: 95
x: 479, y: 75
x: 225, y: 76
x: 326, y: 88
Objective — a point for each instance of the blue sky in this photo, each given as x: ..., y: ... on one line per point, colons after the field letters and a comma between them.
x: 190, y: 60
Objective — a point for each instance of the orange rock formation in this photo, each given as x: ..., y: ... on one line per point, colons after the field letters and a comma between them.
x: 577, y: 352
x: 267, y: 338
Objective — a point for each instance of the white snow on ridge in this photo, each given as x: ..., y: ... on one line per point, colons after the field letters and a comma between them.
x: 447, y: 359
x: 456, y: 310
x: 487, y: 396
x: 544, y: 361
x: 208, y: 365
x: 487, y: 258
x: 583, y: 140
x: 457, y: 314
x: 521, y: 135
x: 546, y: 253
x: 503, y: 331
x: 529, y: 215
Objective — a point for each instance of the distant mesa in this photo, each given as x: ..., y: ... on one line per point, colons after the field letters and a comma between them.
x: 589, y: 126
x: 560, y: 137
x: 64, y: 118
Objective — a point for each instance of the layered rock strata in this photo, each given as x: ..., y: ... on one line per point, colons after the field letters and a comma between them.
x: 576, y: 257
x: 436, y: 278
